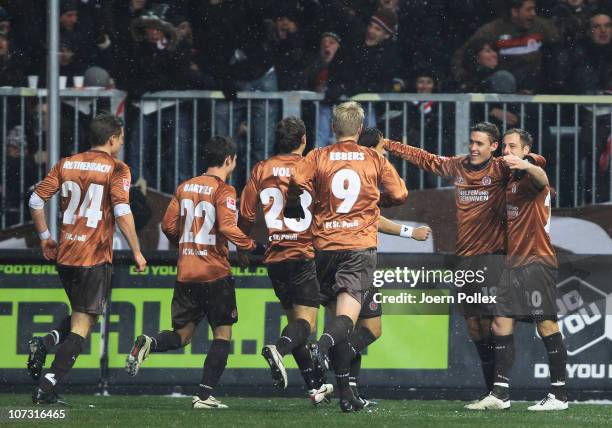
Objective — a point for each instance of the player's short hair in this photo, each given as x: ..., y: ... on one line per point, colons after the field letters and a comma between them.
x: 289, y: 133
x: 370, y: 137
x: 347, y: 118
x: 103, y: 127
x: 488, y: 128
x: 217, y: 149
x: 525, y: 137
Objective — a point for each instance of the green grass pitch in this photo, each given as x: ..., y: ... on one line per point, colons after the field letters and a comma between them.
x: 156, y: 411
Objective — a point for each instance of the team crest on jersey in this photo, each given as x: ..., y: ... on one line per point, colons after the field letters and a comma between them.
x: 373, y: 305
x: 459, y: 180
x: 513, y: 188
x: 486, y: 180
x: 126, y: 184
x: 234, y: 314
x: 231, y: 203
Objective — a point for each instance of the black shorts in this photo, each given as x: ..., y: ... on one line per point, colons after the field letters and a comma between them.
x: 370, y: 309
x: 295, y: 283
x: 87, y: 287
x: 214, y: 300
x: 345, y: 271
x: 528, y: 293
x: 487, y: 270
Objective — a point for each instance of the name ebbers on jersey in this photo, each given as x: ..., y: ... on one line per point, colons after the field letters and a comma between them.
x: 346, y: 156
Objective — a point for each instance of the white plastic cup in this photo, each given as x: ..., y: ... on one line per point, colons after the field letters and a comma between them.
x: 78, y: 81
x: 33, y: 82
x: 62, y: 82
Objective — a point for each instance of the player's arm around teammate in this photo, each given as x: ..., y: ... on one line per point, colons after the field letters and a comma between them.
x: 439, y: 165
x: 527, y: 289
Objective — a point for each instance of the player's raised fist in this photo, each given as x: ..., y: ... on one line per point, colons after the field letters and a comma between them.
x: 421, y: 233
x: 514, y: 162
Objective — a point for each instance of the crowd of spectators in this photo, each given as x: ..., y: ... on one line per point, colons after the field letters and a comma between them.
x: 548, y: 46
x: 337, y: 48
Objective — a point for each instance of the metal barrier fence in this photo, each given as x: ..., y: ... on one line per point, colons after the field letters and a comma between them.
x: 23, y: 127
x: 165, y: 131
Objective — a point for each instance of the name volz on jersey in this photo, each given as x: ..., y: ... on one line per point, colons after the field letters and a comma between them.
x: 73, y: 237
x: 198, y: 188
x: 87, y: 166
x: 334, y: 224
x: 281, y: 171
x: 194, y: 252
x: 346, y: 156
x: 473, y: 195
x: 283, y: 237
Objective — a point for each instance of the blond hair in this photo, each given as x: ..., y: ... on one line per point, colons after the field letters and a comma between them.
x: 347, y: 119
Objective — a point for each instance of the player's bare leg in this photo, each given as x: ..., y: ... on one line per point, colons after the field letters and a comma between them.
x: 557, y: 359
x: 80, y: 327
x: 214, y: 365
x: 166, y: 340
x: 302, y: 320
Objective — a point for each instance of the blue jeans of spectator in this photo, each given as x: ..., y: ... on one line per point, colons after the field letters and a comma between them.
x: 325, y: 136
x: 262, y: 131
x: 174, y: 141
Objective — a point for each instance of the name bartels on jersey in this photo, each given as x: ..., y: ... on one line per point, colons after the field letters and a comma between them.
x: 198, y: 188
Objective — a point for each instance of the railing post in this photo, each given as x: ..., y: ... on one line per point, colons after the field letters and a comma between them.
x: 53, y: 130
x: 117, y: 107
x: 292, y: 104
x: 462, y: 123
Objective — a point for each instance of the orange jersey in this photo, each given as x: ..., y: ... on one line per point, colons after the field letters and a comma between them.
x: 528, y: 212
x: 201, y: 218
x: 93, y: 185
x: 346, y: 179
x: 479, y: 195
x: 289, y: 239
